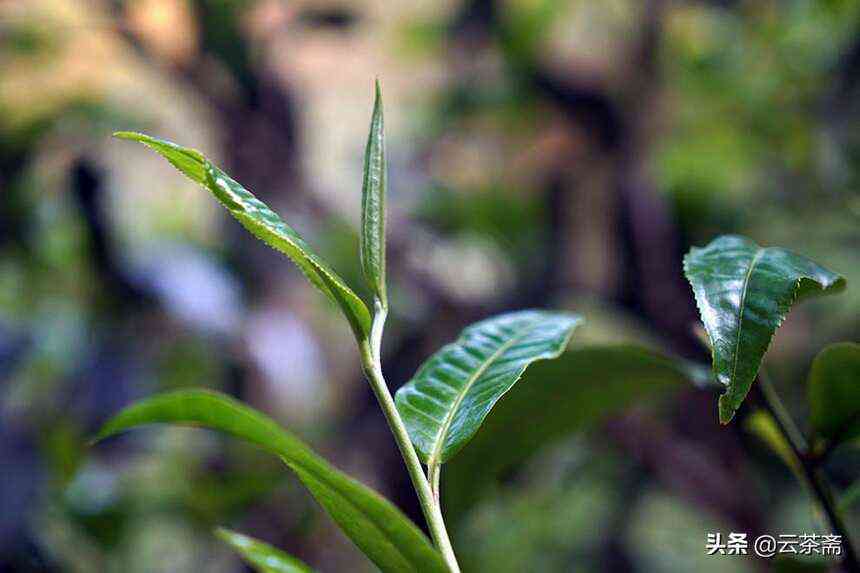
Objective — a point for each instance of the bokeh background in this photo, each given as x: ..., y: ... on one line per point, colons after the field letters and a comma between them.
x: 542, y: 153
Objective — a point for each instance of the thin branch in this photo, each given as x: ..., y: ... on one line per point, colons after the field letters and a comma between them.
x: 811, y: 474
x: 429, y: 505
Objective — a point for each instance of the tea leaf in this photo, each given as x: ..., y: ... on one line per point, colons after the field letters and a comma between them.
x: 744, y: 293
x: 373, y: 194
x: 261, y: 556
x: 834, y: 392
x: 447, y: 400
x: 264, y: 224
x: 378, y: 528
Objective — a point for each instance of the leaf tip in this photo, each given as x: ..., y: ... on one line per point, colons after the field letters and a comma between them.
x: 130, y: 135
x: 105, y: 432
x: 727, y: 410
x: 838, y: 285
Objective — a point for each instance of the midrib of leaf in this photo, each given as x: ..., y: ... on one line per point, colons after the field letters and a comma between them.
x: 331, y: 282
x: 753, y: 263
x: 326, y: 281
x: 449, y: 417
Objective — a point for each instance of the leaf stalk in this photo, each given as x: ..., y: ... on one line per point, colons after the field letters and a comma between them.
x: 434, y: 472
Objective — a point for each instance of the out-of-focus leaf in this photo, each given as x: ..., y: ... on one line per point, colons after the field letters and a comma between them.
x: 378, y: 528
x: 451, y: 394
x: 744, y: 292
x: 850, y: 497
x: 763, y: 425
x: 373, y: 204
x: 261, y: 556
x: 555, y: 399
x: 263, y: 223
x: 834, y: 392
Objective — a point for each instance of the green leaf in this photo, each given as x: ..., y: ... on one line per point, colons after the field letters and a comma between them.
x: 834, y: 392
x: 264, y: 224
x: 373, y: 204
x: 378, y: 528
x: 447, y: 400
x: 744, y: 292
x: 261, y: 556
x: 555, y: 399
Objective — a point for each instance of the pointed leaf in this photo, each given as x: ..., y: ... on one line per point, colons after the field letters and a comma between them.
x: 261, y: 556
x: 378, y: 528
x: 373, y: 204
x: 263, y: 223
x: 447, y: 400
x: 744, y: 292
x: 834, y: 392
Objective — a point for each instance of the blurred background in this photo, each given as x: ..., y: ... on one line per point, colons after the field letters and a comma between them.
x: 542, y: 153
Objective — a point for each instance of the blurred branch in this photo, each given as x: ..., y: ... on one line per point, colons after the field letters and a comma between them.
x: 86, y: 184
x: 687, y: 469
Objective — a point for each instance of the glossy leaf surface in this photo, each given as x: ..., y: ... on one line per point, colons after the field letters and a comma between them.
x: 447, y: 400
x: 262, y: 557
x: 379, y: 529
x: 555, y: 399
x: 834, y: 392
x: 373, y: 204
x: 263, y: 223
x: 744, y: 293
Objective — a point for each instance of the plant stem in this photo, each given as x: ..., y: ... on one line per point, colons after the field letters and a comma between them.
x: 370, y: 358
x: 433, y: 473
x: 811, y: 474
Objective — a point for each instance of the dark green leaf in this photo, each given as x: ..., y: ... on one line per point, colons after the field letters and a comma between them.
x: 834, y: 392
x: 744, y: 292
x: 444, y: 404
x: 555, y: 399
x: 261, y: 556
x: 373, y: 204
x: 264, y: 224
x: 384, y: 534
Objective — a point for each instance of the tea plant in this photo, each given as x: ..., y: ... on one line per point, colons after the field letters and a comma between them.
x: 743, y: 292
x: 432, y: 417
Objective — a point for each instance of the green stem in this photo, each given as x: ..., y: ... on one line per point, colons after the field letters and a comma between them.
x: 370, y: 358
x: 786, y: 424
x: 810, y: 474
x: 433, y: 473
